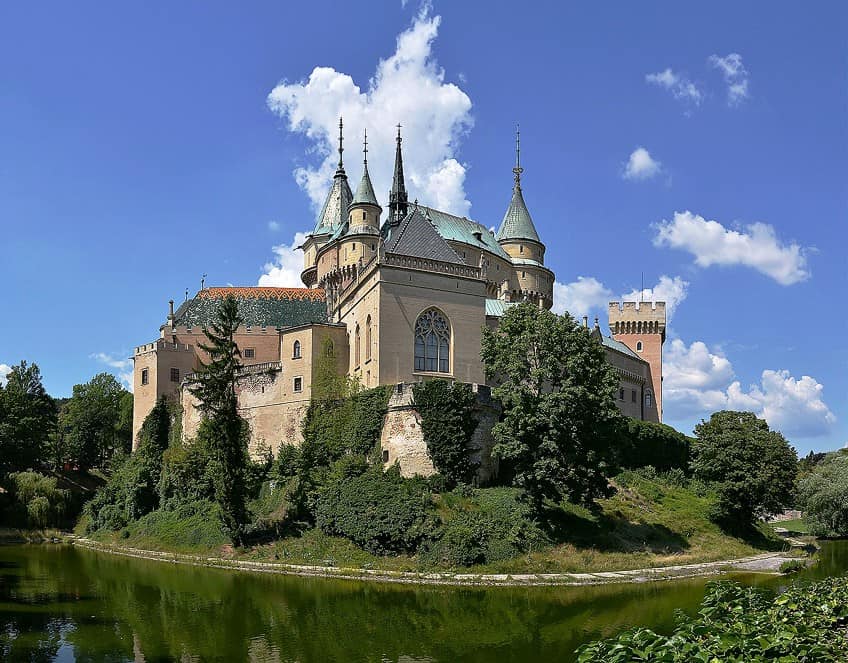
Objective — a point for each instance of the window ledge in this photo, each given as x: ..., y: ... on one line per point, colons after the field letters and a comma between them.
x: 434, y: 374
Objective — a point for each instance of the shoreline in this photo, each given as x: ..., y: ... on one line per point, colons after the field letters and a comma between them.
x: 765, y: 563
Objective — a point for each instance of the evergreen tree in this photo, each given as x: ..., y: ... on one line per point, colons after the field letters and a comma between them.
x: 560, y: 430
x: 27, y: 419
x: 222, y: 430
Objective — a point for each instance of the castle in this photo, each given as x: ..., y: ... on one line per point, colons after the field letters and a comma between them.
x: 392, y: 301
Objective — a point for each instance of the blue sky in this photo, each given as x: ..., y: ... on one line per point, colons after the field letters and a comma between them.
x: 702, y: 146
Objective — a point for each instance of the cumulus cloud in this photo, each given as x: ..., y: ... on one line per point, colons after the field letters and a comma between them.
x: 284, y: 271
x: 671, y: 290
x: 641, y: 165
x: 698, y: 380
x: 5, y: 369
x: 735, y: 75
x: 407, y: 87
x: 757, y: 246
x: 122, y: 368
x: 581, y: 297
x: 679, y: 85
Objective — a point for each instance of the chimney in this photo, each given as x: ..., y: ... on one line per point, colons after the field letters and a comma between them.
x: 171, y: 313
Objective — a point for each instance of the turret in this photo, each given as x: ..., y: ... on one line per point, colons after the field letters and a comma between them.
x: 398, y: 199
x: 364, y: 211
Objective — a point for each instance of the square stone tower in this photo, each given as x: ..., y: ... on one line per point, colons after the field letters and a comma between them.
x: 641, y: 327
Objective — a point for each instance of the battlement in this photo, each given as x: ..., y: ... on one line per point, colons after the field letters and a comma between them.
x: 161, y: 345
x: 636, y: 318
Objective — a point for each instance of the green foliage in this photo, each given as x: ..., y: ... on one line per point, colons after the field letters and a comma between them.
x: 27, y: 419
x: 658, y: 445
x: 92, y: 423
x: 223, y: 432
x: 753, y: 468
x: 822, y: 496
x: 792, y: 566
x: 560, y: 430
x: 185, y: 525
x: 739, y: 624
x: 184, y: 475
x: 36, y: 501
x: 448, y: 422
x: 489, y: 525
x: 380, y: 511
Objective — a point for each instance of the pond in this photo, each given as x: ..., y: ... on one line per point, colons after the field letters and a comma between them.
x: 60, y: 603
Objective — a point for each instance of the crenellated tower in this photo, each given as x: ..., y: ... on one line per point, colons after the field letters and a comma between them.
x: 641, y: 327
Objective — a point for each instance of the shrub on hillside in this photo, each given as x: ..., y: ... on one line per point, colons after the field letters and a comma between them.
x: 35, y: 501
x: 448, y: 422
x: 822, y: 496
x: 380, y: 511
x: 658, y: 445
x: 185, y: 525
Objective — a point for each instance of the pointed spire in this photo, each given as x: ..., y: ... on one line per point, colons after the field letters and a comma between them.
x: 365, y: 190
x: 334, y: 212
x: 398, y: 200
x: 341, y: 144
x: 517, y: 223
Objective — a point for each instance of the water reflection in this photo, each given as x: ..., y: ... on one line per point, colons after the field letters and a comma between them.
x: 62, y: 603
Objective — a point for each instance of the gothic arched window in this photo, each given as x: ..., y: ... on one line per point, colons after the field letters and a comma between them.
x: 368, y: 338
x: 432, y: 342
x: 638, y: 346
x: 296, y: 350
x: 356, y: 346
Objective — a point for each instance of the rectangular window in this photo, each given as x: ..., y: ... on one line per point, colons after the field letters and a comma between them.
x: 633, y: 396
x: 648, y: 399
x: 249, y: 353
x: 145, y: 376
x: 621, y: 394
x: 175, y: 375
x: 298, y: 384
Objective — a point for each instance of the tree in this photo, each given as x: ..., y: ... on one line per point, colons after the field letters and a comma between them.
x: 91, y: 421
x: 658, y: 445
x: 752, y: 467
x: 222, y: 430
x: 27, y: 419
x: 560, y: 429
x: 448, y: 422
x: 823, y: 496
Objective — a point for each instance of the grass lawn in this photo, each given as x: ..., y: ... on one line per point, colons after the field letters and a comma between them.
x: 797, y: 525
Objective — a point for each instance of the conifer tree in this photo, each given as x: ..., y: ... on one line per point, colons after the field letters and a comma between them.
x: 223, y: 430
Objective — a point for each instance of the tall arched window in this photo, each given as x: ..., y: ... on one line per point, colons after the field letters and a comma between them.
x: 649, y: 401
x: 432, y: 342
x: 356, y: 346
x: 296, y: 350
x: 368, y: 338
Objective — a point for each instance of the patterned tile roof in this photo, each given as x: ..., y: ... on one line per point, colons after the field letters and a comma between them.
x: 517, y: 223
x: 416, y: 236
x: 334, y: 212
x: 258, y: 307
x: 461, y: 229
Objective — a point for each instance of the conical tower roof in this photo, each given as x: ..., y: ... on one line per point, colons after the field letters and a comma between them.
x: 517, y: 222
x: 334, y: 212
x: 365, y: 190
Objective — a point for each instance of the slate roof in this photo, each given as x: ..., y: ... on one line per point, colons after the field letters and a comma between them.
x: 610, y: 342
x: 334, y: 212
x: 365, y: 191
x: 416, y: 236
x: 517, y: 223
x: 461, y: 229
x: 258, y: 307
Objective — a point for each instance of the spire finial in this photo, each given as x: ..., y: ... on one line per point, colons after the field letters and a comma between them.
x: 341, y: 143
x: 518, y: 169
x: 398, y: 136
x: 365, y: 149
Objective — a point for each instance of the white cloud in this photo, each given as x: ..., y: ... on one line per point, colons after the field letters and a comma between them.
x: 408, y: 87
x: 735, y: 75
x: 641, y: 165
x: 284, y: 271
x: 671, y: 290
x: 679, y: 85
x: 5, y: 369
x: 123, y: 368
x: 698, y: 380
x: 273, y: 226
x: 581, y: 297
x: 712, y: 244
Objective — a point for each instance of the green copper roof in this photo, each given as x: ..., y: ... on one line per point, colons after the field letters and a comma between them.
x: 517, y: 223
x: 334, y: 212
x: 496, y: 308
x: 258, y: 307
x: 459, y: 229
x: 365, y: 191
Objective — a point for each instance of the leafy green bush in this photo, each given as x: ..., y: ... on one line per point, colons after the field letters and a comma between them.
x: 739, y: 624
x: 36, y: 501
x: 821, y: 495
x: 658, y: 445
x: 448, y: 422
x: 184, y: 525
x: 379, y: 511
x: 792, y: 566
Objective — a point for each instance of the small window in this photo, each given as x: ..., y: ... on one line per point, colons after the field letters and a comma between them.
x: 385, y: 455
x: 521, y: 248
x: 363, y: 215
x: 353, y: 248
x: 330, y: 350
x: 298, y: 384
x: 524, y: 275
x: 621, y: 394
x: 249, y: 353
x: 633, y: 396
x: 648, y: 400
x: 638, y: 346
x: 175, y: 375
x: 296, y: 350
x: 145, y: 376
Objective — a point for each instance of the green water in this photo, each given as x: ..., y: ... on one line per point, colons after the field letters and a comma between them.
x: 60, y: 603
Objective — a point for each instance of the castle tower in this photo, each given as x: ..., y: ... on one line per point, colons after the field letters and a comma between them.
x: 364, y: 211
x: 398, y: 199
x: 641, y: 327
x: 332, y: 216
